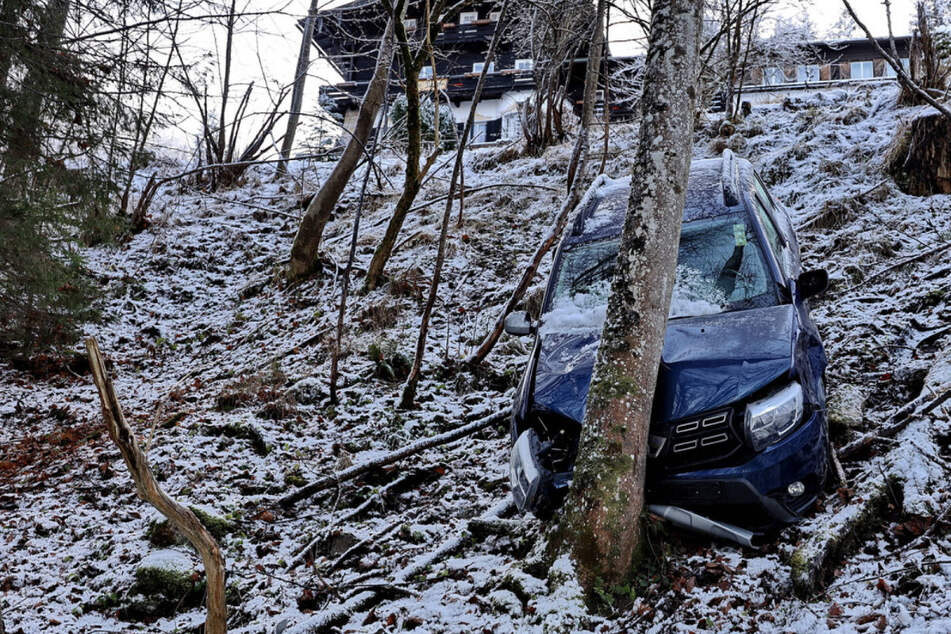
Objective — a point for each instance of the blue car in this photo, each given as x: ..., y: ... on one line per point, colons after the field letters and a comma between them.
x: 738, y: 441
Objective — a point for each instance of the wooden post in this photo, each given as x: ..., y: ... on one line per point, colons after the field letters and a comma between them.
x: 149, y: 490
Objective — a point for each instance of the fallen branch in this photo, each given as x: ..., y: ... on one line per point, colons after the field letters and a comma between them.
x: 378, y: 496
x: 901, y: 419
x: 326, y: 619
x: 901, y: 263
x: 149, y: 490
x: 421, y: 445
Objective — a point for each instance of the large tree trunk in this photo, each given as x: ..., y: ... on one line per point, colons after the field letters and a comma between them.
x: 307, y: 240
x: 601, y: 522
x: 920, y: 157
x: 300, y: 80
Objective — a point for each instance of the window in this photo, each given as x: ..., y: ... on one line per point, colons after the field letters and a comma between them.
x: 524, y: 64
x: 862, y: 70
x: 479, y: 131
x: 426, y: 72
x: 772, y: 236
x: 468, y: 17
x: 890, y: 72
x: 409, y: 24
x: 773, y: 76
x: 806, y: 74
x: 511, y: 126
x: 478, y: 66
x: 495, y: 15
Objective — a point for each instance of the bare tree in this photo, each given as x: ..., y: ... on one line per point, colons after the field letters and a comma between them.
x: 409, y: 388
x: 150, y: 491
x: 548, y: 31
x: 300, y: 80
x: 411, y: 61
x: 907, y: 82
x: 576, y: 170
x: 600, y: 528
x: 307, y: 240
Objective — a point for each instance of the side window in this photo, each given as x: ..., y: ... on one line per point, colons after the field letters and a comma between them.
x: 772, y: 236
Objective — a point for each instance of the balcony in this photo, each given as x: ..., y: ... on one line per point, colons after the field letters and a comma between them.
x: 480, y: 31
x: 457, y: 87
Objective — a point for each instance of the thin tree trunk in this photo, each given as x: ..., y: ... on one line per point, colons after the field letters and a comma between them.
x: 409, y: 388
x: 579, y: 158
x: 412, y: 179
x: 226, y: 87
x: 419, y: 446
x: 601, y: 529
x: 149, y: 490
x: 300, y: 80
x: 307, y: 240
x: 351, y: 255
x: 907, y: 82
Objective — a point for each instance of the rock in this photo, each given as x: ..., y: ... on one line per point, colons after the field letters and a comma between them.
x: 166, y: 573
x: 846, y: 406
x: 505, y: 602
x: 308, y: 391
x: 727, y: 128
x: 853, y: 116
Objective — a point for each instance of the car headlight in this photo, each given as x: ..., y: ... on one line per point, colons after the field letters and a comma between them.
x: 523, y: 471
x: 771, y: 418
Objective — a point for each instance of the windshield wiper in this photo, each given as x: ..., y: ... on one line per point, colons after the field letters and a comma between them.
x: 588, y: 274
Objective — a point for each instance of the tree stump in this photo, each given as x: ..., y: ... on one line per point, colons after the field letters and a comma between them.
x: 920, y: 157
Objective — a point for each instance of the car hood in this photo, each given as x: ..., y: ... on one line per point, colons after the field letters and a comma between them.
x: 708, y: 362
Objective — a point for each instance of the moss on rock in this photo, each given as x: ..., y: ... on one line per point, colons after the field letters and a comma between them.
x: 165, y: 573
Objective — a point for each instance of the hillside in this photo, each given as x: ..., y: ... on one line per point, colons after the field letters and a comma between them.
x: 222, y: 370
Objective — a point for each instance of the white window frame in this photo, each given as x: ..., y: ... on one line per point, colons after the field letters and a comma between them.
x: 468, y: 17
x: 865, y: 64
x: 480, y: 131
x: 478, y: 66
x: 770, y: 73
x: 426, y: 72
x: 511, y: 126
x: 525, y: 64
x: 409, y: 24
x: 807, y: 73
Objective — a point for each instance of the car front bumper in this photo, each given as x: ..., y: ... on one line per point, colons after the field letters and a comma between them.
x: 755, y: 493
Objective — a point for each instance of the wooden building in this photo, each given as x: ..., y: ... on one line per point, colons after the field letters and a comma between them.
x: 348, y: 37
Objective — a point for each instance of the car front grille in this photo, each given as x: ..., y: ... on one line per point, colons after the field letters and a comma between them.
x: 700, y: 439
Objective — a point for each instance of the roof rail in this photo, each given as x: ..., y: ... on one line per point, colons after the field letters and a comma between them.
x: 730, y: 179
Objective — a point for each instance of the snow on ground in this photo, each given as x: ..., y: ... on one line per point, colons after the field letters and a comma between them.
x: 222, y: 371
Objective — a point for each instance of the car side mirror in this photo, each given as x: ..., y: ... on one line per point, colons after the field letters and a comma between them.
x: 519, y: 324
x: 812, y: 283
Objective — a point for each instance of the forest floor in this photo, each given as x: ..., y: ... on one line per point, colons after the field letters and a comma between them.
x: 222, y: 370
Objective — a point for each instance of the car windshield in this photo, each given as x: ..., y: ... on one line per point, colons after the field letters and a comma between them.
x: 720, y: 268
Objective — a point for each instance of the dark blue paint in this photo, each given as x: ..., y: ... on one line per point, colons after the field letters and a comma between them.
x: 708, y: 362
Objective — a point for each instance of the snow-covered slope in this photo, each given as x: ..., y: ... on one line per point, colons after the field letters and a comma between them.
x: 222, y: 370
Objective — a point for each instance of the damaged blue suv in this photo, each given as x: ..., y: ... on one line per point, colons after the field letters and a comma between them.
x: 738, y: 441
